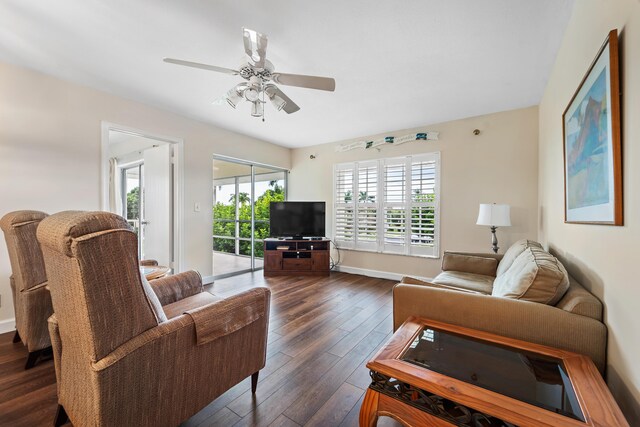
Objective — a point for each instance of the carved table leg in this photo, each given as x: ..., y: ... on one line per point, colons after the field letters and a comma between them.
x: 369, y: 409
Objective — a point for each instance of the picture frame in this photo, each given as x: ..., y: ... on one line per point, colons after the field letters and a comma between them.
x: 592, y: 144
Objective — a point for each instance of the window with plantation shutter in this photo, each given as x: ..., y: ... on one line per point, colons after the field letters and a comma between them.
x: 367, y: 205
x: 388, y: 205
x: 344, y: 206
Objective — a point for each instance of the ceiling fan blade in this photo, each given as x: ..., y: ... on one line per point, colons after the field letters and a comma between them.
x: 202, y: 66
x: 289, y: 106
x: 255, y: 45
x: 299, y: 80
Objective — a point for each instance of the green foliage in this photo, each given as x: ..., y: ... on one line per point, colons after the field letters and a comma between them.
x: 224, y: 220
x: 365, y: 197
x: 133, y: 203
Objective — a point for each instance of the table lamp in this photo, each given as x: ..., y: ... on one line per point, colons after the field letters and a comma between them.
x: 494, y: 216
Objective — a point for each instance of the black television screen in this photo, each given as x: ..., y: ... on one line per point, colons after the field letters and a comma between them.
x: 297, y: 219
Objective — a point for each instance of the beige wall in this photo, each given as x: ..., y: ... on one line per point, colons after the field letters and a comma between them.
x: 50, y: 155
x: 604, y: 258
x: 499, y: 165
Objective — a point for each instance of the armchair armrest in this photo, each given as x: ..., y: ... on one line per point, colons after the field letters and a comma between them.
x: 226, y: 316
x: 470, y: 263
x: 179, y: 286
x: 36, y: 288
x: 524, y: 320
x: 184, y: 328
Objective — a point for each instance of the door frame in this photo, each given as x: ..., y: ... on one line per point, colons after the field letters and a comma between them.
x: 252, y: 165
x: 178, y: 181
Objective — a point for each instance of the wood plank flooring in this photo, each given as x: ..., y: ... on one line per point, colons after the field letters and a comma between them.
x: 322, y: 332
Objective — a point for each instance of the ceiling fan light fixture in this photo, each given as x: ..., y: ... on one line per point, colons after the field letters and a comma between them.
x: 251, y: 94
x: 233, y: 98
x: 257, y: 109
x: 278, y: 102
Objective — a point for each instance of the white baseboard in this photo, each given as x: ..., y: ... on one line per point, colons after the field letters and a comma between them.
x: 7, y: 325
x: 376, y: 273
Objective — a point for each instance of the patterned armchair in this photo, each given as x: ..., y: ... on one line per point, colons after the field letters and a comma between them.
x: 128, y: 352
x: 31, y: 300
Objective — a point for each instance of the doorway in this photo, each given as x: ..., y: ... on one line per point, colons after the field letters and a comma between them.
x: 142, y: 183
x: 242, y: 193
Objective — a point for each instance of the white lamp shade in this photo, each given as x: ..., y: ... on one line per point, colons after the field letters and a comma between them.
x: 494, y: 215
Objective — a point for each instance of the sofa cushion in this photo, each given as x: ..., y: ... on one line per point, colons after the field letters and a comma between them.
x: 406, y: 280
x: 452, y: 261
x: 459, y: 279
x: 535, y: 275
x: 512, y: 253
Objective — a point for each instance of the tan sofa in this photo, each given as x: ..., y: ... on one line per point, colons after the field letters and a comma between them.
x: 524, y: 294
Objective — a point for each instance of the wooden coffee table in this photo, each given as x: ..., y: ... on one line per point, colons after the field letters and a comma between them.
x: 435, y: 374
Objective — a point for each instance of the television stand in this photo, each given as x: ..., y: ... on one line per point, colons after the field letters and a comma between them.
x: 296, y: 257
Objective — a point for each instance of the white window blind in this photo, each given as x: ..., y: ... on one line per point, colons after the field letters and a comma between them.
x: 388, y: 205
x: 344, y: 205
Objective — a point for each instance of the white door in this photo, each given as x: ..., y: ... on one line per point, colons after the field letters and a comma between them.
x: 156, y: 217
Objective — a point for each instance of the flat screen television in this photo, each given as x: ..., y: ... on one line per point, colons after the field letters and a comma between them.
x: 297, y: 219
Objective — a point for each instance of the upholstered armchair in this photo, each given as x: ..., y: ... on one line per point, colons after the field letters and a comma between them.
x: 128, y: 352
x: 31, y: 300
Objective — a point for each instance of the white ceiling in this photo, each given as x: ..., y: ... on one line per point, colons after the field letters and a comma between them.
x: 397, y: 64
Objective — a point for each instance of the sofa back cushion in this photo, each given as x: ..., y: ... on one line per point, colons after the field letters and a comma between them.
x: 513, y: 252
x: 535, y: 275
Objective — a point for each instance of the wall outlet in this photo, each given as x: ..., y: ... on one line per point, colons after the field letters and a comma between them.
x: 196, y: 207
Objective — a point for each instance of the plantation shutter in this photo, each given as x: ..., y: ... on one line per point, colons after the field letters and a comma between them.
x: 367, y: 205
x: 389, y: 205
x: 344, y: 206
x: 395, y: 200
x: 424, y: 201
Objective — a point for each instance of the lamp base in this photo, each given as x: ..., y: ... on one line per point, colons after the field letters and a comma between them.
x: 494, y: 240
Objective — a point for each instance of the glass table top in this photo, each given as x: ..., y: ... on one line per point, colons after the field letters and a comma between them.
x: 529, y: 377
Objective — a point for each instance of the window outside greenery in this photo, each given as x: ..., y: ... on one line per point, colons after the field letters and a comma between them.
x: 224, y: 220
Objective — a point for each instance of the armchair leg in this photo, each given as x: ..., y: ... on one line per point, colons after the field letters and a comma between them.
x: 34, y: 356
x: 16, y: 337
x: 254, y: 382
x: 32, y: 359
x: 61, y: 417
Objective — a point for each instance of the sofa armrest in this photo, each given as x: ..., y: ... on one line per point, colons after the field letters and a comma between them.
x: 524, y: 320
x: 497, y: 257
x: 470, y: 263
x: 179, y: 286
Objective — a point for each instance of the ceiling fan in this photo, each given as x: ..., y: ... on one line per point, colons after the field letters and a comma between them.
x: 260, y: 77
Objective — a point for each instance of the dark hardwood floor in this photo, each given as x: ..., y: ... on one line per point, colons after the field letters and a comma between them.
x: 322, y: 332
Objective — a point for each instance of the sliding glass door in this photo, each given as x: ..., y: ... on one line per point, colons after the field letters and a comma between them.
x: 242, y: 192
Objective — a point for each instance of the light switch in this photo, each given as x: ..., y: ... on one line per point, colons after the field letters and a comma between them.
x: 196, y: 207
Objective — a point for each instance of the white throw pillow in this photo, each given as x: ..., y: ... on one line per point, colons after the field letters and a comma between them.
x: 535, y: 275
x: 512, y: 253
x: 153, y: 300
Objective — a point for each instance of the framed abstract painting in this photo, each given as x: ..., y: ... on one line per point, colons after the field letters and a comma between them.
x: 592, y: 143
